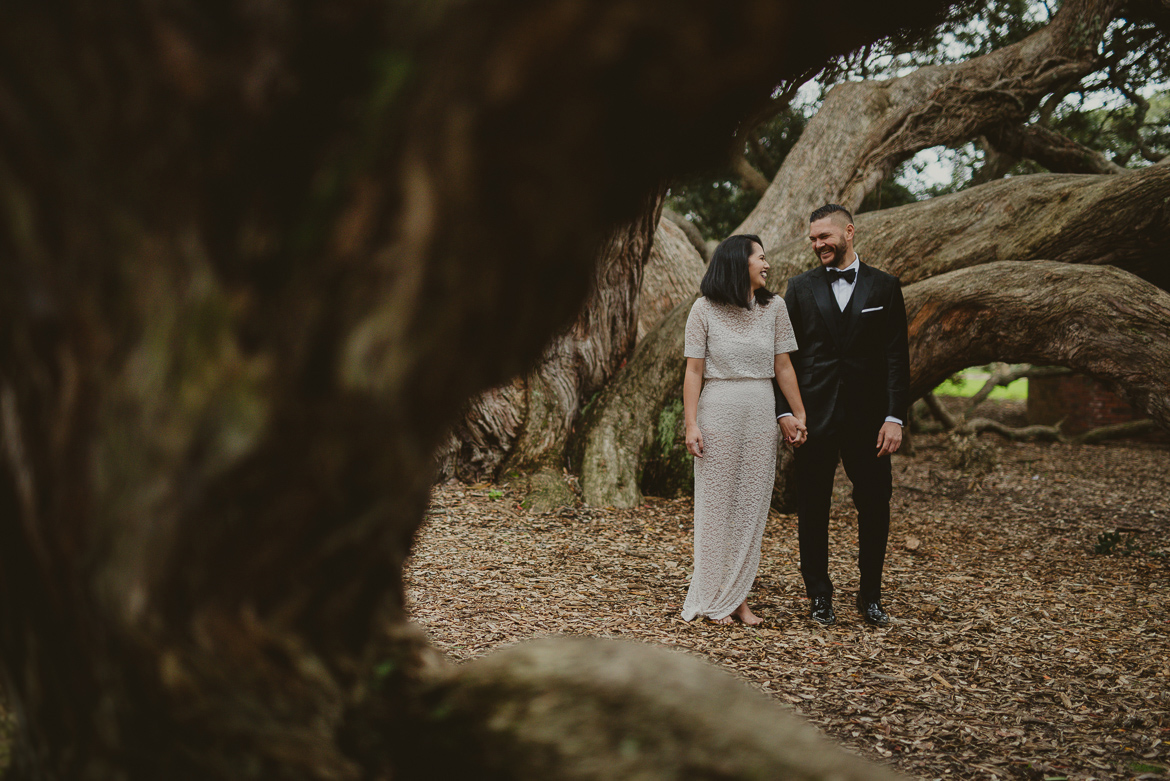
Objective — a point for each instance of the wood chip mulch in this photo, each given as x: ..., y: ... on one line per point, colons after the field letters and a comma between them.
x: 1018, y: 651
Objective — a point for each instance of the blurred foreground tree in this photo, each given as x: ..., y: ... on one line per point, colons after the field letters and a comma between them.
x: 255, y: 259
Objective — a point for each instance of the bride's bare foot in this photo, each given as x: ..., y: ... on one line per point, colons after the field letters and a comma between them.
x: 724, y: 620
x: 745, y: 614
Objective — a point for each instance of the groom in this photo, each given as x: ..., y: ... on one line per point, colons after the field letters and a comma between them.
x: 853, y: 366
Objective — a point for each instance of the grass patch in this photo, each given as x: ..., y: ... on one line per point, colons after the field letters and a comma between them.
x: 968, y: 384
x: 1142, y: 767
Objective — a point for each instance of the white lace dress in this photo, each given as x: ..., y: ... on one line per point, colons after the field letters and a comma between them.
x: 734, y: 478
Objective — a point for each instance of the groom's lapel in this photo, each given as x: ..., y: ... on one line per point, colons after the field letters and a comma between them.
x: 827, y: 304
x: 860, y: 297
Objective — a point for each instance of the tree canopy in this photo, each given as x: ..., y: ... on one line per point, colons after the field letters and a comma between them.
x: 1121, y: 110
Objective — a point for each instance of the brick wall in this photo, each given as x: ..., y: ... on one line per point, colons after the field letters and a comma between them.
x: 1083, y: 402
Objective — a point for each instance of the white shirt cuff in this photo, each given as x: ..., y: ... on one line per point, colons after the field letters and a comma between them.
x: 784, y: 415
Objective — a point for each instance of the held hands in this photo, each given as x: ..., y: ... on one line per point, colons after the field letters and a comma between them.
x: 694, y: 441
x: 794, y: 430
x: 889, y: 438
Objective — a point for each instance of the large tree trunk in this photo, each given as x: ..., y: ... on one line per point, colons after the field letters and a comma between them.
x: 626, y: 419
x: 1099, y: 321
x: 257, y: 256
x: 865, y: 129
x: 672, y: 276
x: 618, y: 429
x: 518, y: 431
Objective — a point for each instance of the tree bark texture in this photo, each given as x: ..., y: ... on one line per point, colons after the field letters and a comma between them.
x: 865, y: 129
x: 1099, y: 321
x: 672, y: 275
x: 257, y: 257
x: 618, y: 428
x: 692, y: 233
x: 517, y: 432
x: 521, y: 428
x: 1058, y: 153
x: 519, y: 707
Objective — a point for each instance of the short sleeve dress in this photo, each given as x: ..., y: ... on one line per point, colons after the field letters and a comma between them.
x: 734, y: 478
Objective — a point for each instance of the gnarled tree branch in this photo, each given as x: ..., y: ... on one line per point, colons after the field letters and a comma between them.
x: 1056, y: 152
x: 1099, y: 321
x: 1040, y: 216
x: 864, y: 129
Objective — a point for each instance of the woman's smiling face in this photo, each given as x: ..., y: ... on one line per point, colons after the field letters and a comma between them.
x: 757, y: 267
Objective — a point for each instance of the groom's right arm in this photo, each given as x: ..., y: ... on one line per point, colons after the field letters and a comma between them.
x: 790, y: 301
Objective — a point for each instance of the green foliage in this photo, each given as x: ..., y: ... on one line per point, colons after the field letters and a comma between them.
x: 967, y: 385
x: 1110, y: 542
x: 1123, y: 130
x: 495, y: 493
x: 716, y: 201
x: 890, y: 193
x: 1142, y: 767
x: 715, y: 204
x: 668, y: 423
x: 670, y: 470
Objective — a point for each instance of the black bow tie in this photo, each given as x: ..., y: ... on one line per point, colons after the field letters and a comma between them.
x: 836, y: 273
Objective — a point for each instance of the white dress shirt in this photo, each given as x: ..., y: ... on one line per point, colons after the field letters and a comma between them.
x: 842, y: 289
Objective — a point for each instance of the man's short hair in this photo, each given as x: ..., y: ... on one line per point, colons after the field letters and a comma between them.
x: 830, y: 209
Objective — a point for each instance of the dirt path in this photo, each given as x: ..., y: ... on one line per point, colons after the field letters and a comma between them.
x: 1018, y: 651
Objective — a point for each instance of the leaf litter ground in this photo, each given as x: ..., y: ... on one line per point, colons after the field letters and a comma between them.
x: 1018, y: 651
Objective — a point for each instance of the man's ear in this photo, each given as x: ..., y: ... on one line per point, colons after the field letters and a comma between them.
x: 849, y: 231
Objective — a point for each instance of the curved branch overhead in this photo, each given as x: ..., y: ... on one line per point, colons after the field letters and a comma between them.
x: 1058, y: 153
x: 1121, y: 220
x: 1099, y: 321
x: 864, y: 129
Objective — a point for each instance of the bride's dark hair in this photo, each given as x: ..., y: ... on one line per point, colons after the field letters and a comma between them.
x: 727, y: 280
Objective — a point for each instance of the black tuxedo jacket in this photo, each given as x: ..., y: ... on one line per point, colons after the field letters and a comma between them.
x: 853, y: 366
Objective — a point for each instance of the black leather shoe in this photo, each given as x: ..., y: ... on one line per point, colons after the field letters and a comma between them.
x: 822, y: 611
x: 871, y: 611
